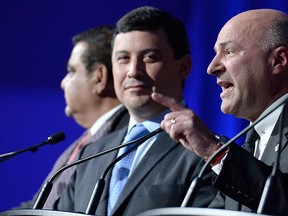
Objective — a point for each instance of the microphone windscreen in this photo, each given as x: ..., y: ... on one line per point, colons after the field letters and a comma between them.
x: 57, y: 137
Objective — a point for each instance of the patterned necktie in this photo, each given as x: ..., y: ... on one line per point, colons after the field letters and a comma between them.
x: 83, y: 141
x: 251, y: 138
x: 121, y: 170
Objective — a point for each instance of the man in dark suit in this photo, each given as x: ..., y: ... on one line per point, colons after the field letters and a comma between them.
x: 90, y: 100
x: 150, y: 53
x: 251, y: 66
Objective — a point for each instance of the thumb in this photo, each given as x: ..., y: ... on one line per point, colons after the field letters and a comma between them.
x: 167, y: 101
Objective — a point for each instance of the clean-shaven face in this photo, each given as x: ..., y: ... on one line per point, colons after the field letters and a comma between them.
x: 143, y: 62
x: 241, y: 68
x: 77, y: 85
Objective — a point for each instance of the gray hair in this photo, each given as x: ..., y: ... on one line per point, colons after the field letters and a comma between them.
x: 276, y: 35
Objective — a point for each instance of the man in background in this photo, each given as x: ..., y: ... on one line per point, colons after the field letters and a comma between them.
x: 90, y: 100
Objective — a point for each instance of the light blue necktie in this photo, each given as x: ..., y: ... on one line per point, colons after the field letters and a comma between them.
x: 121, y: 170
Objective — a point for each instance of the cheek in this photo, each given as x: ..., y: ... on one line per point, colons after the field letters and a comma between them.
x: 75, y: 90
x: 72, y: 95
x: 157, y: 72
x: 118, y: 86
x: 167, y: 80
x: 70, y: 86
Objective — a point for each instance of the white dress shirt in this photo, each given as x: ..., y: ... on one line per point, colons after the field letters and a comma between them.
x: 151, y: 125
x: 264, y: 129
x: 101, y: 121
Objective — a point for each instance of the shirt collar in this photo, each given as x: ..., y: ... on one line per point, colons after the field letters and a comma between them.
x: 100, y: 122
x: 265, y: 127
x: 154, y: 122
x: 150, y: 124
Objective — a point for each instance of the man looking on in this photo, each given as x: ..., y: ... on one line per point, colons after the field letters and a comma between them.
x: 150, y: 54
x: 90, y: 99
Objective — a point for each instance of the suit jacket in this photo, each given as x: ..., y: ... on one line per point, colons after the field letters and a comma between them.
x: 161, y: 179
x: 243, y: 176
x: 119, y: 120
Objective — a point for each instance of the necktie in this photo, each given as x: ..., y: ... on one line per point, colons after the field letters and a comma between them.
x: 83, y: 141
x: 251, y: 138
x: 121, y: 170
x: 61, y: 182
x: 70, y: 155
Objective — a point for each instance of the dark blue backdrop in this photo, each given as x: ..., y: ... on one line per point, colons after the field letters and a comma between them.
x: 35, y: 44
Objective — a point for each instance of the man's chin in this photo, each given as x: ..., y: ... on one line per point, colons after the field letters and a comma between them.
x: 137, y: 100
x: 225, y: 108
x: 68, y: 112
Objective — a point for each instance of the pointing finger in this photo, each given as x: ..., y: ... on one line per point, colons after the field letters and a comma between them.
x: 167, y: 101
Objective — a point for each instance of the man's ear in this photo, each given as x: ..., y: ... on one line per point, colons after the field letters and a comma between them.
x: 280, y: 60
x: 100, y: 79
x: 185, y: 67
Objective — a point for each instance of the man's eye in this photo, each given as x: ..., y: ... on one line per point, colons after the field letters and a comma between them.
x: 229, y: 52
x: 150, y: 58
x: 71, y: 71
x: 122, y: 58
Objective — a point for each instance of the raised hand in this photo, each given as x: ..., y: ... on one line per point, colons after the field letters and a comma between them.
x: 185, y: 126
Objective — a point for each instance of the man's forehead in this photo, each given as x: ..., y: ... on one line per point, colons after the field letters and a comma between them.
x: 146, y: 40
x: 240, y: 32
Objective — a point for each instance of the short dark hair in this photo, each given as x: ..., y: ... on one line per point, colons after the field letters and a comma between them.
x: 151, y: 19
x: 99, y: 47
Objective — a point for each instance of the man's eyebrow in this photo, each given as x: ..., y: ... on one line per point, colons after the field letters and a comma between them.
x: 142, y: 51
x: 223, y: 44
x: 150, y: 50
x: 120, y: 51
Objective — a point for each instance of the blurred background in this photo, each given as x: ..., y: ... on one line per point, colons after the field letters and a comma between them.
x: 35, y: 44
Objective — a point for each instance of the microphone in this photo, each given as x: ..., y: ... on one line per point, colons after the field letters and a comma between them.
x: 271, y: 177
x: 99, y: 187
x: 194, y: 186
x: 53, y: 139
x: 46, y: 189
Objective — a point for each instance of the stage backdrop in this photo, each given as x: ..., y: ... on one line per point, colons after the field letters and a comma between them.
x: 35, y: 44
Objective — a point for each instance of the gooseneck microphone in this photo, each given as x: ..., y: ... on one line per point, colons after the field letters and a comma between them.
x: 53, y: 139
x: 99, y: 187
x: 194, y: 186
x: 271, y: 177
x: 46, y: 189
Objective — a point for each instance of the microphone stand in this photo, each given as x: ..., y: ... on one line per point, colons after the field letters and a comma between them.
x: 194, y: 184
x: 271, y: 177
x: 55, y: 138
x: 99, y: 187
x: 46, y: 189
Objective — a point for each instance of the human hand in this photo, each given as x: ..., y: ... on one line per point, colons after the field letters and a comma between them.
x: 183, y: 125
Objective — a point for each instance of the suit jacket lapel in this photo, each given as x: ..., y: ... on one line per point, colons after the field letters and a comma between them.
x: 285, y: 128
x: 273, y: 143
x: 163, y: 145
x: 269, y: 153
x: 267, y: 156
